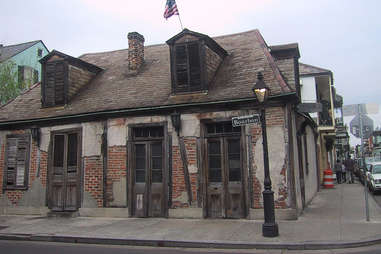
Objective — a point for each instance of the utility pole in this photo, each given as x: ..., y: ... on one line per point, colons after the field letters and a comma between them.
x: 363, y: 160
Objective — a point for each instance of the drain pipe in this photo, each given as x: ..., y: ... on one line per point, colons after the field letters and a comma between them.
x: 104, y: 155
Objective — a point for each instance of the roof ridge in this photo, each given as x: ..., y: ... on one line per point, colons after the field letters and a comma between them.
x: 163, y: 44
x: 13, y: 45
x: 235, y: 34
x: 283, y: 84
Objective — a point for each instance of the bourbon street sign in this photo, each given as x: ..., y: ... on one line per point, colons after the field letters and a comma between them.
x: 243, y: 120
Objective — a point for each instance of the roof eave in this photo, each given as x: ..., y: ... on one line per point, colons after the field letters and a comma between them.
x: 289, y: 97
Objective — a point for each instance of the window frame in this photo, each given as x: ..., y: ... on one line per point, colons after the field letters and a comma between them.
x: 14, y: 186
x: 39, y: 52
x: 201, y: 55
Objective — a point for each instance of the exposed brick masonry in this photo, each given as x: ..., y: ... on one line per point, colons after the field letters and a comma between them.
x: 93, y: 170
x: 116, y: 168
x: 178, y: 183
x: 135, y: 50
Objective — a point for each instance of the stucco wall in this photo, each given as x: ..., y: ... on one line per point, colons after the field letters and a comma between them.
x: 30, y: 58
x: 117, y: 168
x: 312, y: 176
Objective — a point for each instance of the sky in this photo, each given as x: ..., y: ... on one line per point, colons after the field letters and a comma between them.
x: 343, y: 36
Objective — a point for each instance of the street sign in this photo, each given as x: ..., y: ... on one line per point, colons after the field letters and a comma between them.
x: 310, y: 107
x: 243, y: 120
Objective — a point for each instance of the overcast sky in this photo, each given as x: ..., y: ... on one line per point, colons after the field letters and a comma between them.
x: 340, y: 35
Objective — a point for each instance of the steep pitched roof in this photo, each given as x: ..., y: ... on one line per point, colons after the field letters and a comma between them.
x: 308, y: 70
x: 12, y: 50
x: 114, y: 89
x: 72, y: 60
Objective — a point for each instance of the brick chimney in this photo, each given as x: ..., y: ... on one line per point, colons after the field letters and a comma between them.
x: 135, y: 50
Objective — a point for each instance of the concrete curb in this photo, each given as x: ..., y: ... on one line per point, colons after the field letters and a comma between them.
x: 192, y: 244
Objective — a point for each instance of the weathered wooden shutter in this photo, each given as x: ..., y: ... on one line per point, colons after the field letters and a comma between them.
x: 17, y: 161
x: 194, y: 67
x: 60, y: 83
x: 22, y: 148
x: 49, y: 84
x: 181, y: 68
x: 55, y: 84
x: 188, y: 71
x: 11, y: 161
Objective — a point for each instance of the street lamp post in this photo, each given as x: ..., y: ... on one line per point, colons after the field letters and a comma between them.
x: 269, y: 227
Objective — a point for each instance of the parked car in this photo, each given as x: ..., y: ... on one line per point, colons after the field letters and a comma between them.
x: 374, y: 176
x: 360, y: 170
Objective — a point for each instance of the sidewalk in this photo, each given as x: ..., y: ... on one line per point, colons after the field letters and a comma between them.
x: 334, y: 219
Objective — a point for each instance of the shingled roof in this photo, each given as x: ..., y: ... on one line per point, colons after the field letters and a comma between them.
x: 12, y: 50
x: 114, y: 89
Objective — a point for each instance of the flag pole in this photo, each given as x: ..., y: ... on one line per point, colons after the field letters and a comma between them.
x: 181, y: 24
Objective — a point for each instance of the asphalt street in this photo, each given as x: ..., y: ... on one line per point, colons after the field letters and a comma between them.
x: 17, y: 247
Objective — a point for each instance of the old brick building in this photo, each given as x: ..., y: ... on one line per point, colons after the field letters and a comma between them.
x: 147, y: 131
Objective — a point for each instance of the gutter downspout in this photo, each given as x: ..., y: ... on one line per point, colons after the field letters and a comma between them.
x: 104, y: 155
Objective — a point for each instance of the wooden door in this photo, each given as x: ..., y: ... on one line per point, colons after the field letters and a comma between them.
x: 225, y: 196
x: 148, y: 189
x: 65, y: 172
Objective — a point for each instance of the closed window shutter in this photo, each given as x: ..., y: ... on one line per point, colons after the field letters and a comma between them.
x: 181, y: 68
x: 54, y: 84
x: 188, y: 70
x: 22, y: 148
x: 17, y: 161
x: 59, y: 83
x: 49, y: 84
x: 11, y: 161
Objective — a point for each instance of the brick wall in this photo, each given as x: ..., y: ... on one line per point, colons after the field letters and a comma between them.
x: 44, y: 168
x: 93, y: 174
x: 256, y: 133
x: 191, y: 148
x: 116, y: 168
x: 178, y: 182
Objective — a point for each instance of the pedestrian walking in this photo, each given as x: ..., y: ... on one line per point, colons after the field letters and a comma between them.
x: 343, y: 174
x: 338, y: 168
x: 349, y: 168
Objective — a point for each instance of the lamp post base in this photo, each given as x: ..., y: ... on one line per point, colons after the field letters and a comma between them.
x: 270, y: 229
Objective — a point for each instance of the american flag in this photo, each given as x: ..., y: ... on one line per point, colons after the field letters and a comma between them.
x: 170, y: 9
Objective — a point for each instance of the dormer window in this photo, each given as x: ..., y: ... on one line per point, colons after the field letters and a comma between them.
x: 62, y: 77
x: 195, y: 59
x: 188, y: 71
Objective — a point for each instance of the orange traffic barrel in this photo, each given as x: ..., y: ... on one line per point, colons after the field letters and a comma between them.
x: 328, y: 179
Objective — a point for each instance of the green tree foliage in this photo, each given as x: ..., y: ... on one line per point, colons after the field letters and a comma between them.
x: 9, y: 85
